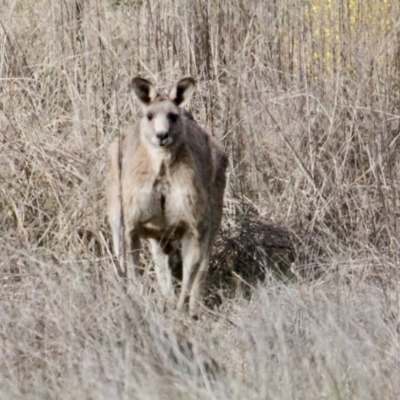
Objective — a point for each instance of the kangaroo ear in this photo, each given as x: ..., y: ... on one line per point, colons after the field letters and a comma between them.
x: 182, y: 91
x: 144, y: 90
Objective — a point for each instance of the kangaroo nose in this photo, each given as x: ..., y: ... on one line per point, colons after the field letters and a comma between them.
x: 162, y: 136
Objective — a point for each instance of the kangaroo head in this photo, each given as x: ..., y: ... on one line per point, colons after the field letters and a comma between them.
x: 161, y: 124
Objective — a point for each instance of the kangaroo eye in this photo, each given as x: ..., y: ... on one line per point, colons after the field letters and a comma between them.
x: 149, y: 116
x: 173, y: 117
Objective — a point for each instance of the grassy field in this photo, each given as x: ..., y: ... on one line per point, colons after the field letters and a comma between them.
x: 304, y: 298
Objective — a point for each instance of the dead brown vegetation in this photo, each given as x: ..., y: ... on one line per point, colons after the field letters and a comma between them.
x: 308, y: 111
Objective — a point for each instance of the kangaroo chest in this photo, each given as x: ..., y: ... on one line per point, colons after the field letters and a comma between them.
x: 164, y: 199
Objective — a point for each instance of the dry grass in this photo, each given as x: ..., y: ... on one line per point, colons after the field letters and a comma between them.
x: 310, y: 121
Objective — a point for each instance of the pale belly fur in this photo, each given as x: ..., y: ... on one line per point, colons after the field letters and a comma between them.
x: 160, y: 205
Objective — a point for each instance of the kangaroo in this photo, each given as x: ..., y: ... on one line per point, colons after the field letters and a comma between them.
x: 168, y: 175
